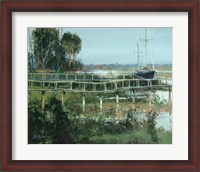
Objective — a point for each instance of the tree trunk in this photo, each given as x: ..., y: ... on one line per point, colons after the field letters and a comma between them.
x: 69, y: 62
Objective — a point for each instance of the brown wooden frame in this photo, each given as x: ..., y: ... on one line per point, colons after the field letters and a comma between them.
x: 9, y: 6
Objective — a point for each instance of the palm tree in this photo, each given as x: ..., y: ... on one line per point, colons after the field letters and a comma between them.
x: 72, y: 46
x: 76, y: 48
x: 67, y: 41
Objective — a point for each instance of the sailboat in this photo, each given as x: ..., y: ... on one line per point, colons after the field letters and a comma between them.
x: 144, y: 71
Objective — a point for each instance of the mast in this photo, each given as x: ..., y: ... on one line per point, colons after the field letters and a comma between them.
x: 145, y: 43
x: 138, y: 54
x: 146, y: 39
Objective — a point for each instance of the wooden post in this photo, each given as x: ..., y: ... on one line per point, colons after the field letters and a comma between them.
x: 133, y: 98
x: 71, y: 86
x: 55, y: 85
x: 84, y: 86
x: 63, y: 97
x: 170, y: 97
x: 150, y: 99
x: 117, y: 98
x: 138, y: 83
x: 43, y: 85
x: 122, y: 83
x: 83, y: 98
x: 117, y: 102
x: 94, y: 87
x: 101, y: 105
x: 105, y: 88
x: 43, y: 100
x: 115, y: 85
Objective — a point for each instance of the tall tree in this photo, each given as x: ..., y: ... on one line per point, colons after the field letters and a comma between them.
x: 44, y: 40
x: 58, y: 61
x: 72, y: 46
x: 31, y: 56
x: 77, y: 47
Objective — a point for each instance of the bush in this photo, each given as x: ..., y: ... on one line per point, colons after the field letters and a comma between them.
x: 58, y: 125
x: 36, y: 123
x: 61, y: 132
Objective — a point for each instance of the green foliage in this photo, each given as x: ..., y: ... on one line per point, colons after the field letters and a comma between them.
x: 62, y: 125
x: 36, y: 123
x: 57, y: 62
x: 48, y: 50
x: 44, y: 41
x: 151, y: 127
x: 131, y: 137
x: 157, y: 100
x: 72, y: 46
x: 165, y: 137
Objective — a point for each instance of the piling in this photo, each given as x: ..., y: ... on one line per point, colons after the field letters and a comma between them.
x: 150, y: 99
x: 63, y: 97
x: 101, y: 104
x: 133, y: 98
x: 117, y: 101
x: 170, y: 97
x: 83, y: 99
x: 43, y: 100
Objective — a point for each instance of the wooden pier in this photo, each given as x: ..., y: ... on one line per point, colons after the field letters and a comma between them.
x: 90, y: 83
x: 94, y: 84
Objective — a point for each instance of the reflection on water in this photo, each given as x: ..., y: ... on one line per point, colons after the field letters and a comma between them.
x: 163, y: 119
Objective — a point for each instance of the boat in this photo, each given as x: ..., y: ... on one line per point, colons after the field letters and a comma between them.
x: 144, y: 71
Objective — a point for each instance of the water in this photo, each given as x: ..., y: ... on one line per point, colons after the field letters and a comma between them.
x: 163, y: 120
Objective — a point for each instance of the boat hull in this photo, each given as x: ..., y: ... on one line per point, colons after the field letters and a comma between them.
x: 144, y: 74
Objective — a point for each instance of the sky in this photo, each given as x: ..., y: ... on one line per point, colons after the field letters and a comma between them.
x: 119, y: 45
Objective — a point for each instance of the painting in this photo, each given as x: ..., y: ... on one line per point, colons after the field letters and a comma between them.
x: 100, y: 85
x: 108, y: 101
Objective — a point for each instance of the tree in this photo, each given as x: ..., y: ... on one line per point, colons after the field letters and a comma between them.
x: 151, y: 126
x: 44, y: 40
x: 31, y: 58
x: 72, y: 46
x: 61, y: 127
x: 57, y: 61
x: 30, y: 61
x: 36, y: 123
x: 77, y: 47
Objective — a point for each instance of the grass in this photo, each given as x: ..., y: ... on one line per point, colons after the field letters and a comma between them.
x: 135, y: 137
x: 165, y: 137
x: 92, y: 102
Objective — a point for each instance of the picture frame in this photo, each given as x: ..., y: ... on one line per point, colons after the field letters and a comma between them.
x: 11, y: 6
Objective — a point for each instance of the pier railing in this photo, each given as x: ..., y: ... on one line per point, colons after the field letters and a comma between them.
x: 92, y: 82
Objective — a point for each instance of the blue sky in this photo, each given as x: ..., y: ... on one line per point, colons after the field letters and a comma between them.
x: 119, y: 45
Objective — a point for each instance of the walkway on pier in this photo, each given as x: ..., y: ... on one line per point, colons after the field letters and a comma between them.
x: 92, y: 83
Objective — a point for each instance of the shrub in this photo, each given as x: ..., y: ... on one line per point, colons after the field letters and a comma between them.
x: 36, y: 123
